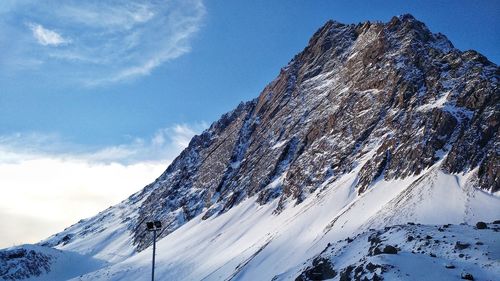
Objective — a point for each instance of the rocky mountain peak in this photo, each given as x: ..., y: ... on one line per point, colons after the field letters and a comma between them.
x: 387, y: 100
x: 384, y: 101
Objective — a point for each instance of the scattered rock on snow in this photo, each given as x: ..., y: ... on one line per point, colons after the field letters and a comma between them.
x: 321, y: 270
x: 467, y: 276
x: 460, y: 246
x: 481, y: 225
x: 390, y: 250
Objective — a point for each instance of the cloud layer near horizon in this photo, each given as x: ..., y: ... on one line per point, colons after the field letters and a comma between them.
x: 45, y: 190
x: 96, y: 42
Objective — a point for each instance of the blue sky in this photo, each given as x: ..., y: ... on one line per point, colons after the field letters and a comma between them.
x: 108, y: 85
x: 231, y: 50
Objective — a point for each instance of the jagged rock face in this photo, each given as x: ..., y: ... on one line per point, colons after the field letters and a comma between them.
x: 393, y: 94
x: 17, y: 264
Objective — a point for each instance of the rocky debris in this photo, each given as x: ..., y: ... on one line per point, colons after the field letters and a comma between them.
x: 373, y: 264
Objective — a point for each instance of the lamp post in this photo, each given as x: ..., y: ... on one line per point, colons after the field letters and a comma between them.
x: 153, y: 226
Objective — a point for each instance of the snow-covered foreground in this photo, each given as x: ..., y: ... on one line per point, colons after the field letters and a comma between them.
x: 412, y: 252
x: 253, y: 242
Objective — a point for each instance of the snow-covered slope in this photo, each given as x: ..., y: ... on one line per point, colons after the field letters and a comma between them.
x: 251, y: 242
x: 372, y: 125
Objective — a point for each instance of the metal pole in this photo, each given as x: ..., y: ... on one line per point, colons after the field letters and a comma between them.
x: 154, y: 253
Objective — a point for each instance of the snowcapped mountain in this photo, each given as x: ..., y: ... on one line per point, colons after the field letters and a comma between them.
x: 371, y: 125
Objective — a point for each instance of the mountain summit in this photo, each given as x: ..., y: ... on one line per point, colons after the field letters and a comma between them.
x: 372, y: 124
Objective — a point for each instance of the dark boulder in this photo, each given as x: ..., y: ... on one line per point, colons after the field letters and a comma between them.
x: 390, y: 250
x: 321, y: 270
x: 460, y: 246
x: 481, y: 225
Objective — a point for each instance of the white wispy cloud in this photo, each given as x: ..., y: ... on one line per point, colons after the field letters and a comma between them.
x: 46, y: 37
x: 48, y: 183
x: 111, y: 41
x: 163, y: 145
x: 106, y: 14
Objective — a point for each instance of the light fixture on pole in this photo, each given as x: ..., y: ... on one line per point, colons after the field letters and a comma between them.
x: 153, y: 226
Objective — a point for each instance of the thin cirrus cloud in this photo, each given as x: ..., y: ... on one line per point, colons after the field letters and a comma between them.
x: 164, y: 144
x: 45, y: 36
x: 99, y: 41
x: 48, y: 183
